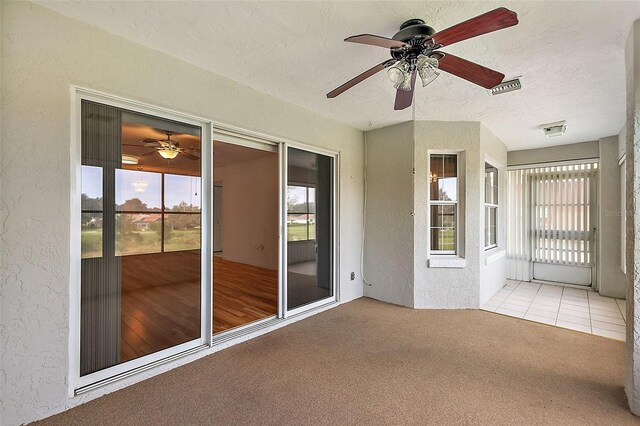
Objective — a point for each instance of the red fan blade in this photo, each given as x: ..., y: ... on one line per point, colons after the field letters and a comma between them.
x: 349, y: 84
x: 403, y: 97
x: 470, y: 71
x: 375, y: 40
x: 488, y: 22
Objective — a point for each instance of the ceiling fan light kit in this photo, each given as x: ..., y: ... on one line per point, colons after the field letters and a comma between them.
x: 414, y: 50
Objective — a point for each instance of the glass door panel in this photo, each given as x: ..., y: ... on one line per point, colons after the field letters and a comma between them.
x: 140, y: 236
x: 309, y: 219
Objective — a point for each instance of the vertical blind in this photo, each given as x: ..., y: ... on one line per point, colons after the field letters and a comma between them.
x: 549, y: 216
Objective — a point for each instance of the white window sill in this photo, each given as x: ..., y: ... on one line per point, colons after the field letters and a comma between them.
x: 493, y: 255
x: 447, y: 262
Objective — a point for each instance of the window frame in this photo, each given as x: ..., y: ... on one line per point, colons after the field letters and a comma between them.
x: 491, y: 206
x: 306, y: 186
x: 455, y: 203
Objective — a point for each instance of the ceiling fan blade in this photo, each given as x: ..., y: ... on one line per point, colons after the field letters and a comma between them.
x: 470, y: 71
x: 403, y: 97
x: 148, y: 153
x: 374, y: 40
x: 368, y: 73
x: 190, y: 156
x: 488, y: 22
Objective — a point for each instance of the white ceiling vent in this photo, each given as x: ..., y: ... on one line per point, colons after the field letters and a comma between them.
x: 554, y: 129
x: 507, y: 86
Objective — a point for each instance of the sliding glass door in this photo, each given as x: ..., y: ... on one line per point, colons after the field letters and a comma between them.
x: 310, y: 228
x: 141, y: 279
x: 184, y: 236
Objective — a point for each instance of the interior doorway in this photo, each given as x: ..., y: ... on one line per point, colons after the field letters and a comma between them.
x: 246, y: 225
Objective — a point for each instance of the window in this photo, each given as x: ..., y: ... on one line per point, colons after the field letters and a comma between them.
x: 92, y: 212
x: 443, y: 203
x: 301, y: 213
x: 490, y: 206
x: 156, y: 212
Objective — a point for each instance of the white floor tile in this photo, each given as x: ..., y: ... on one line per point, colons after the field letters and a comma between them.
x: 518, y: 302
x: 548, y: 308
x: 572, y: 326
x: 606, y: 326
x: 605, y: 313
x: 582, y: 313
x: 604, y: 306
x: 609, y: 333
x: 609, y: 320
x: 573, y: 319
x: 540, y: 319
x: 510, y: 312
x: 566, y: 307
x: 541, y: 313
x: 514, y: 307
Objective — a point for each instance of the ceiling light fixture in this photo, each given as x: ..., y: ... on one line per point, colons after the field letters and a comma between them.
x: 168, y: 153
x: 129, y: 159
x: 427, y: 69
x: 399, y: 76
x: 554, y: 129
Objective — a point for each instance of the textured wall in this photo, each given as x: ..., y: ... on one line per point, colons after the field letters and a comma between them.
x: 448, y: 287
x: 42, y: 54
x: 493, y: 263
x: 574, y: 151
x: 632, y: 61
x: 611, y: 279
x: 396, y: 246
x: 388, y: 250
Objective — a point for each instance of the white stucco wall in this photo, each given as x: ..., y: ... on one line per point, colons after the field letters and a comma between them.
x: 632, y: 62
x: 43, y: 53
x: 388, y: 249
x: 572, y: 151
x: 611, y: 279
x: 392, y: 264
x: 493, y: 262
x: 448, y: 287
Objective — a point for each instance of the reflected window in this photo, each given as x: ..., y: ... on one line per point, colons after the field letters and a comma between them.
x: 92, y: 212
x: 301, y: 217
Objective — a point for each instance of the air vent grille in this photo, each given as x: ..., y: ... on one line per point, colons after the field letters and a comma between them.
x: 507, y: 86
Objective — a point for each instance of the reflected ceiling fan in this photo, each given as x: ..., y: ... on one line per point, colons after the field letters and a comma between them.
x: 414, y: 51
x: 168, y: 148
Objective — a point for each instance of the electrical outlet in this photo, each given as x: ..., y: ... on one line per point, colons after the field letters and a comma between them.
x: 353, y: 276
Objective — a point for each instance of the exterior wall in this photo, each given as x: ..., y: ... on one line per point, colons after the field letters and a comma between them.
x: 493, y: 263
x: 43, y: 53
x: 394, y: 267
x: 448, y: 287
x: 632, y: 61
x: 611, y: 279
x: 388, y: 248
x: 574, y: 151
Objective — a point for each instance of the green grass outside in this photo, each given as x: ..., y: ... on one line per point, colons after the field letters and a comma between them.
x: 298, y: 232
x: 139, y: 242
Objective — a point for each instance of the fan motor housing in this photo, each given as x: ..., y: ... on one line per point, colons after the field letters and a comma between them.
x: 413, y: 28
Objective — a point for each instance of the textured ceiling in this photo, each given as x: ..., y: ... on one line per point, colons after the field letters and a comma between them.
x: 570, y: 56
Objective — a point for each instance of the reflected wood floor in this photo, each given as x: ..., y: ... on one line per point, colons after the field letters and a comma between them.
x: 161, y: 299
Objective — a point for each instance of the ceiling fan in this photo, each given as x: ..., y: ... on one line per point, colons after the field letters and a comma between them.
x: 168, y: 148
x: 414, y: 51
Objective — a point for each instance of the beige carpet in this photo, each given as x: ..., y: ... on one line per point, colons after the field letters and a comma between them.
x: 367, y: 362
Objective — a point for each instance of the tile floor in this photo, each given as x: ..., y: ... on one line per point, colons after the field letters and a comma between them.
x: 573, y: 308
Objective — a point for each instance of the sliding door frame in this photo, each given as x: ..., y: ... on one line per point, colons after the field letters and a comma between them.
x: 286, y: 312
x: 79, y: 384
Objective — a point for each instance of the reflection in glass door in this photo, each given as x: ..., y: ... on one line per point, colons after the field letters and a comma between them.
x: 140, y: 236
x: 310, y: 223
